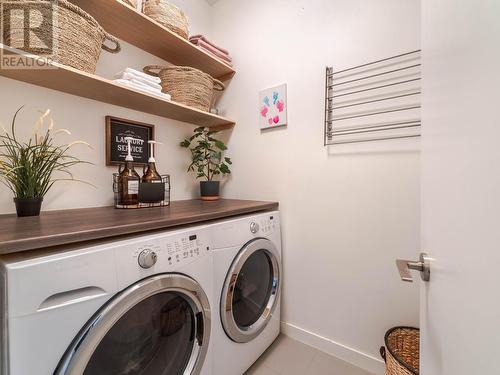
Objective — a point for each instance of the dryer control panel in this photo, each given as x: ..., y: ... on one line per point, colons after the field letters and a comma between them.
x: 237, y: 232
x: 264, y: 225
x: 267, y: 224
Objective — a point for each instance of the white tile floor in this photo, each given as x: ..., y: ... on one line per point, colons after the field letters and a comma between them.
x: 289, y: 357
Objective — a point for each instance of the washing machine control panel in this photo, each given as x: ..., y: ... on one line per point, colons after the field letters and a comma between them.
x: 184, y: 248
x: 162, y: 253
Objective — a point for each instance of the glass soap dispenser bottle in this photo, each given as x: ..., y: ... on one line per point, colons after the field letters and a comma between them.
x: 129, y: 179
x: 151, y: 175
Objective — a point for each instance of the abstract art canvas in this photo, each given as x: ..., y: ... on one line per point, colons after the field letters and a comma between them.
x: 273, y: 107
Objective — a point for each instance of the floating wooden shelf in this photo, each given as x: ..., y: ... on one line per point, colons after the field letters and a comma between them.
x: 133, y: 27
x: 55, y: 228
x: 75, y: 82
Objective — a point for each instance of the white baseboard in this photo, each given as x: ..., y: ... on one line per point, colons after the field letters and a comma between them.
x: 350, y: 355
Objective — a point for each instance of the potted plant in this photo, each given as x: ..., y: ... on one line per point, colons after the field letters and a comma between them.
x: 28, y: 168
x: 207, y: 161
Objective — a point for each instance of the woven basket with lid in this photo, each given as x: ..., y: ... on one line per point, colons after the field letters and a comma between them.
x: 402, y: 351
x: 187, y: 85
x: 168, y: 15
x: 77, y: 36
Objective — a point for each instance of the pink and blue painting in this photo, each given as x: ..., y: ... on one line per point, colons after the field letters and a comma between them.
x: 273, y: 107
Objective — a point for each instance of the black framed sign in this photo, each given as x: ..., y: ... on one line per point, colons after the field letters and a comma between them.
x: 117, y: 129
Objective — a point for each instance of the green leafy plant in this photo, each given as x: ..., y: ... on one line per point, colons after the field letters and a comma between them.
x: 28, y: 168
x: 207, y: 154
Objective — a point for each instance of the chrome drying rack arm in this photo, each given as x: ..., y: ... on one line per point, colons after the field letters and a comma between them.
x: 353, y: 94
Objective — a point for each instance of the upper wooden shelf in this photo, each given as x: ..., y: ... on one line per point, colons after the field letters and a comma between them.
x: 75, y: 82
x: 133, y: 27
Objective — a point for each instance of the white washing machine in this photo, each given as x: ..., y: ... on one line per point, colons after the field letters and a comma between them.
x: 247, y: 282
x: 134, y: 306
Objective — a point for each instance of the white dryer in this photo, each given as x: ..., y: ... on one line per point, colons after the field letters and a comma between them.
x: 136, y: 306
x: 247, y: 282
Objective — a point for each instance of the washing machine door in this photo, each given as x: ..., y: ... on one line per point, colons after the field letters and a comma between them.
x: 159, y: 326
x: 251, y: 290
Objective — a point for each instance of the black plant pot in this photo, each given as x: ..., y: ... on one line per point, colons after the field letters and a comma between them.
x: 209, y: 190
x: 28, y: 206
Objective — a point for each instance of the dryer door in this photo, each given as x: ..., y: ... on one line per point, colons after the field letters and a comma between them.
x: 250, y: 292
x: 159, y: 326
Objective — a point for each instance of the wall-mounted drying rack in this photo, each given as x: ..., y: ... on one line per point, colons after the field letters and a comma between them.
x: 375, y: 101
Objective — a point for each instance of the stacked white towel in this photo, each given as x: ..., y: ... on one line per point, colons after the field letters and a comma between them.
x: 141, y: 81
x: 138, y: 74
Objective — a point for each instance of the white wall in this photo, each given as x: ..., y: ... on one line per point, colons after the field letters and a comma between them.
x: 85, y: 119
x: 348, y: 211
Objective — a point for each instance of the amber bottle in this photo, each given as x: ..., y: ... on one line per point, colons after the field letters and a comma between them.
x: 129, y: 180
x: 151, y: 175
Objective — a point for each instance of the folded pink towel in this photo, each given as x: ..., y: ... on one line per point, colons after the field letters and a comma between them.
x: 215, y: 52
x: 215, y: 56
x: 194, y: 39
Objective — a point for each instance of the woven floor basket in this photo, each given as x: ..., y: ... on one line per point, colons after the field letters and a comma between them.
x: 168, y: 15
x: 77, y: 36
x: 402, y: 351
x: 187, y: 85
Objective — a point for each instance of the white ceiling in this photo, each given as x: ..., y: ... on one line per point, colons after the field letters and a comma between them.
x: 212, y: 2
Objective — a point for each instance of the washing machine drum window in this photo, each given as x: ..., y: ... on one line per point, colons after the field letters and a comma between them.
x: 154, y: 337
x: 250, y: 292
x: 157, y: 327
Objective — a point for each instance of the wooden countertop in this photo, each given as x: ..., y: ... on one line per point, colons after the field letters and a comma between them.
x: 54, y: 228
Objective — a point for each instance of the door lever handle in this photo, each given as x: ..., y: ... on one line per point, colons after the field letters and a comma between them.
x: 423, y: 266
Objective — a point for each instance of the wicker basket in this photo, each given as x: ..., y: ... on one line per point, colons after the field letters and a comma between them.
x: 187, y: 85
x: 402, y: 355
x: 168, y: 15
x: 77, y: 36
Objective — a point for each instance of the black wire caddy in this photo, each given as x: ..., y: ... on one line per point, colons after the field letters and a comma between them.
x: 379, y: 100
x: 156, y: 194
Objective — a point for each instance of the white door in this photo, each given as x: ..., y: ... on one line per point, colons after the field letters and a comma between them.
x: 460, y: 306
